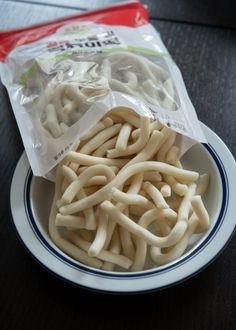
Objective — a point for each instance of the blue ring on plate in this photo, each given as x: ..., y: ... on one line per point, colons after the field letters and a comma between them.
x: 153, y: 272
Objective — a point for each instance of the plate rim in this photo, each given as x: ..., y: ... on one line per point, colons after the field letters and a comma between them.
x: 172, y: 282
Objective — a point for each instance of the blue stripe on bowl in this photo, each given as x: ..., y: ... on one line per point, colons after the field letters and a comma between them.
x: 147, y: 273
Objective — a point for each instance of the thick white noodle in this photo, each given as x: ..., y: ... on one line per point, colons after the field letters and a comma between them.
x: 62, y: 243
x: 105, y: 192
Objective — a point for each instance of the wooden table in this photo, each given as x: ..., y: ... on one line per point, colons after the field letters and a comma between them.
x: 201, y: 37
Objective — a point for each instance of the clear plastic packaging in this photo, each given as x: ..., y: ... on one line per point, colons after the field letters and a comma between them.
x: 63, y: 77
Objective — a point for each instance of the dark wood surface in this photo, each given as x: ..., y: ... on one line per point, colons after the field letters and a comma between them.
x: 210, y: 12
x: 30, y: 297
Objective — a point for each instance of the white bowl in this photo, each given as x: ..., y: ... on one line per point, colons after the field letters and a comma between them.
x: 30, y: 205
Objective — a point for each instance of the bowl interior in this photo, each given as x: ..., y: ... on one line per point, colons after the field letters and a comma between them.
x: 197, y: 158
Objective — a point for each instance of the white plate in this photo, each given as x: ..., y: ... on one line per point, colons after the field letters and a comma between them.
x: 30, y: 203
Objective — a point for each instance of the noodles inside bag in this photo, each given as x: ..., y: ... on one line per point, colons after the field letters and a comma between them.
x: 64, y: 76
x: 122, y: 196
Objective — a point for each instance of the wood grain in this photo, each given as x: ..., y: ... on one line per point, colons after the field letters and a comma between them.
x: 30, y: 297
x: 206, y: 12
x: 29, y: 14
x: 206, y: 58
